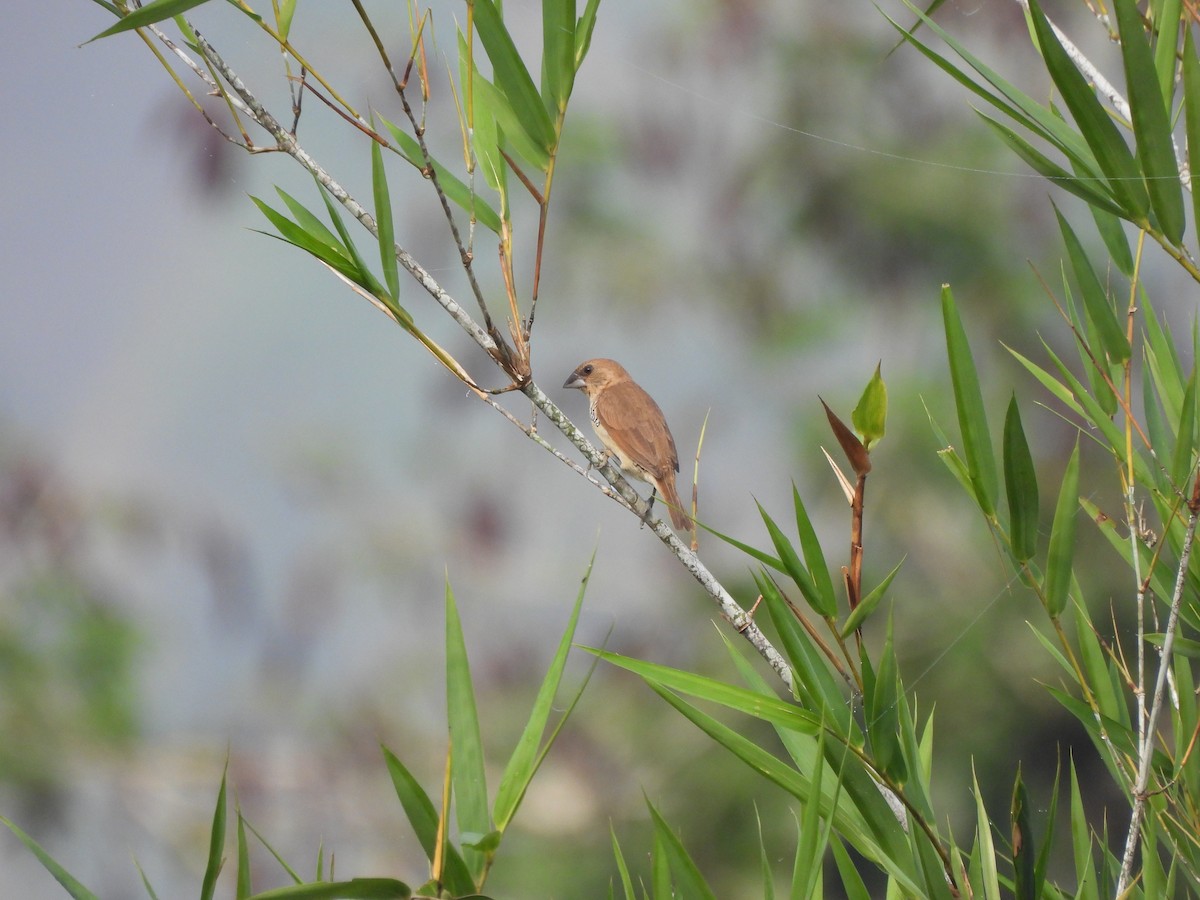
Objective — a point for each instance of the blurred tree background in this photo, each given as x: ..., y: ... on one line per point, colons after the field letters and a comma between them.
x: 229, y: 495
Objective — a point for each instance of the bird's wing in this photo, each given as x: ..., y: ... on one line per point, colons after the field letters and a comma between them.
x: 638, y: 427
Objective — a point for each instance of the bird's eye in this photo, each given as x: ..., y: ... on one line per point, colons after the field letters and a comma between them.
x: 587, y: 370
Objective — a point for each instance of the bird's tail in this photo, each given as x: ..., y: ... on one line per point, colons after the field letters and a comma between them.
x: 679, y: 518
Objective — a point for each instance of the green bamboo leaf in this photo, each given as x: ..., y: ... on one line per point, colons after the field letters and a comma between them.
x: 583, y: 31
x: 870, y: 415
x: 145, y: 881
x: 1020, y: 483
x: 852, y: 882
x: 1112, y: 232
x: 383, y: 221
x: 423, y: 819
x: 1151, y: 125
x: 307, y: 220
x: 867, y: 604
x: 972, y: 420
x: 813, y: 839
x: 558, y: 54
x: 1109, y: 147
x: 881, y: 841
x: 1100, y: 675
x: 990, y: 881
x: 1185, y: 435
x: 365, y: 277
x: 622, y: 869
x: 76, y: 890
x: 1088, y: 189
x: 526, y: 759
x: 453, y: 187
x: 1102, y: 372
x: 354, y: 889
x: 216, y: 842
x: 1024, y: 846
x: 1184, y: 647
x: 660, y: 871
x: 150, y: 14
x: 295, y: 235
x: 1018, y: 106
x: 764, y: 861
x: 814, y: 685
x: 287, y: 10
x: 470, y: 779
x: 762, y: 556
x: 485, y: 134
x: 245, y: 882
x: 1166, y: 45
x: 883, y: 717
x: 1062, y: 540
x: 688, y: 882
x: 824, y: 606
x: 949, y: 455
x: 1096, y: 303
x: 1081, y: 844
x: 814, y: 555
x: 1191, y: 112
x: 768, y: 708
x: 513, y: 79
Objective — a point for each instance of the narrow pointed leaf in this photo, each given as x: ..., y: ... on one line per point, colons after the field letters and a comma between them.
x: 1020, y: 484
x: 810, y: 848
x: 1151, y: 126
x: 814, y: 556
x: 987, y: 850
x: 216, y: 843
x: 422, y: 817
x: 470, y: 781
x: 383, y: 220
x: 452, y: 185
x: 622, y: 868
x: 1166, y: 44
x: 825, y: 606
x: 687, y: 878
x: 1085, y: 188
x: 523, y: 763
x: 867, y: 604
x: 1062, y: 540
x: 1191, y: 109
x: 852, y: 882
x: 244, y: 880
x: 883, y: 717
x: 150, y: 14
x: 558, y: 53
x: 1112, y: 232
x: 968, y: 398
x: 1015, y: 104
x: 1109, y: 147
x: 1099, y: 309
x: 1023, y: 846
x: 583, y: 31
x: 287, y: 11
x: 76, y: 890
x: 870, y: 415
x: 512, y: 78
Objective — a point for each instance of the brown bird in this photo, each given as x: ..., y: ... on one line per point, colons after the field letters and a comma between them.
x: 632, y: 428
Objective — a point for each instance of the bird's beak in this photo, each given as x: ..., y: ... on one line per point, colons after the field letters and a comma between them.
x: 574, y: 381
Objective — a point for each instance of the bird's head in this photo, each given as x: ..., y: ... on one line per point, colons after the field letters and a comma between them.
x: 596, y: 374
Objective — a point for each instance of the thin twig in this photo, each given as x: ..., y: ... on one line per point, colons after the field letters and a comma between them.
x: 1146, y: 747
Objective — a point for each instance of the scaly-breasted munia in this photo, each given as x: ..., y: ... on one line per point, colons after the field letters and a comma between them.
x: 632, y: 428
